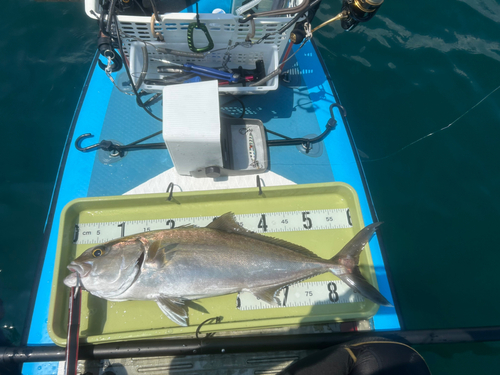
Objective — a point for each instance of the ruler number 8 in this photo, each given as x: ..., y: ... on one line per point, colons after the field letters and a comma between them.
x: 333, y: 295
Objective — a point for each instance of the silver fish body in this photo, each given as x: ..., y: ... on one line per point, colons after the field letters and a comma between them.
x: 187, y: 263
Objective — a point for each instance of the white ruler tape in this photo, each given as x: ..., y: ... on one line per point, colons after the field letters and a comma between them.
x: 269, y: 222
x: 303, y: 294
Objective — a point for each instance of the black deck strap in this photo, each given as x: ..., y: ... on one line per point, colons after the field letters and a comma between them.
x: 367, y: 356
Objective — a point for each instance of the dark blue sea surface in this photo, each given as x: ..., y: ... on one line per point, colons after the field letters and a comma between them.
x: 421, y: 86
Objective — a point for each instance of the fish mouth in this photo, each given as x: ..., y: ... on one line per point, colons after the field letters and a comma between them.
x: 81, y: 269
x: 77, y: 271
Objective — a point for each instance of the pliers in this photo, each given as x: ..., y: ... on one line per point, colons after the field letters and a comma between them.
x: 201, y: 70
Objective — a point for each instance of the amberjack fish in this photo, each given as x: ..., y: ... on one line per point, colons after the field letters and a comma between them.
x: 187, y: 263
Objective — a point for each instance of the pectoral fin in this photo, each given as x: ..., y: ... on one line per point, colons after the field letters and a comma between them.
x: 159, y: 254
x: 174, y: 309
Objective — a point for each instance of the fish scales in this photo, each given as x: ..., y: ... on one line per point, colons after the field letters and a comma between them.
x: 208, y: 261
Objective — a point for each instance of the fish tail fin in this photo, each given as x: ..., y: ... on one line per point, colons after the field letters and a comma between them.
x: 347, y: 268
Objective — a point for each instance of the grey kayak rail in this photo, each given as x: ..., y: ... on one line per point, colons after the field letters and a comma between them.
x: 11, y: 356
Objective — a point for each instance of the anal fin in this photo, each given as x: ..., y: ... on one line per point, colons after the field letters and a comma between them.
x: 268, y: 294
x: 174, y: 309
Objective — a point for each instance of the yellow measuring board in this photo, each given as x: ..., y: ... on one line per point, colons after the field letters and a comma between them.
x: 321, y: 217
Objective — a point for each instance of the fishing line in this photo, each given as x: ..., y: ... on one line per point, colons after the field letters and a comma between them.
x: 434, y: 132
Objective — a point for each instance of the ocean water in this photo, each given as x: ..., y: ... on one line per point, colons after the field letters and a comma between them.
x: 421, y: 86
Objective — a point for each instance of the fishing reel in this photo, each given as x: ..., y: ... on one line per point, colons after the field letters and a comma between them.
x: 356, y: 11
x: 352, y: 13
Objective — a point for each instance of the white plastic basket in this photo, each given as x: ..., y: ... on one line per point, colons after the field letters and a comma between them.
x: 222, y: 28
x: 245, y: 57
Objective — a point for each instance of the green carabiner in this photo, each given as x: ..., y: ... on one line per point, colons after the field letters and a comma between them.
x: 202, y: 27
x: 190, y: 37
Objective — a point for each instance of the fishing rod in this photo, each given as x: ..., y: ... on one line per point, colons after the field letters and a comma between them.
x: 12, y: 356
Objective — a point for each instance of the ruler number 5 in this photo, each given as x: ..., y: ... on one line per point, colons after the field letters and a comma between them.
x: 307, y: 221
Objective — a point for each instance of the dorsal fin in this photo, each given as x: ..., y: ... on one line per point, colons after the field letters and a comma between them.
x: 227, y: 223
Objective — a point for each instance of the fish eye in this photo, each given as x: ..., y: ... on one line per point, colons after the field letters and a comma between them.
x: 97, y: 252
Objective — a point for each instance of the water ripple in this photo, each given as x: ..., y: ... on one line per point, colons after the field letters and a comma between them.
x: 488, y: 8
x: 395, y: 33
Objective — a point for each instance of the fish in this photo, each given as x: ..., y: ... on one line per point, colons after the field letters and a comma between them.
x: 175, y: 266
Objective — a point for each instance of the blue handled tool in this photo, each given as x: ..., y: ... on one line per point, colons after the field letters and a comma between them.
x: 201, y: 70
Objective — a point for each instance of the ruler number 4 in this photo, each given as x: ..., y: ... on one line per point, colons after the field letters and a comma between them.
x: 262, y: 223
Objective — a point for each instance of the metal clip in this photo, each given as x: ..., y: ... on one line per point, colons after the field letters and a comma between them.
x: 114, y: 62
x: 307, y: 29
x: 251, y: 33
x: 110, y: 63
x: 108, y: 70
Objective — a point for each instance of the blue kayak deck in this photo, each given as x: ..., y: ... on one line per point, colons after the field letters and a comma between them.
x: 298, y: 108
